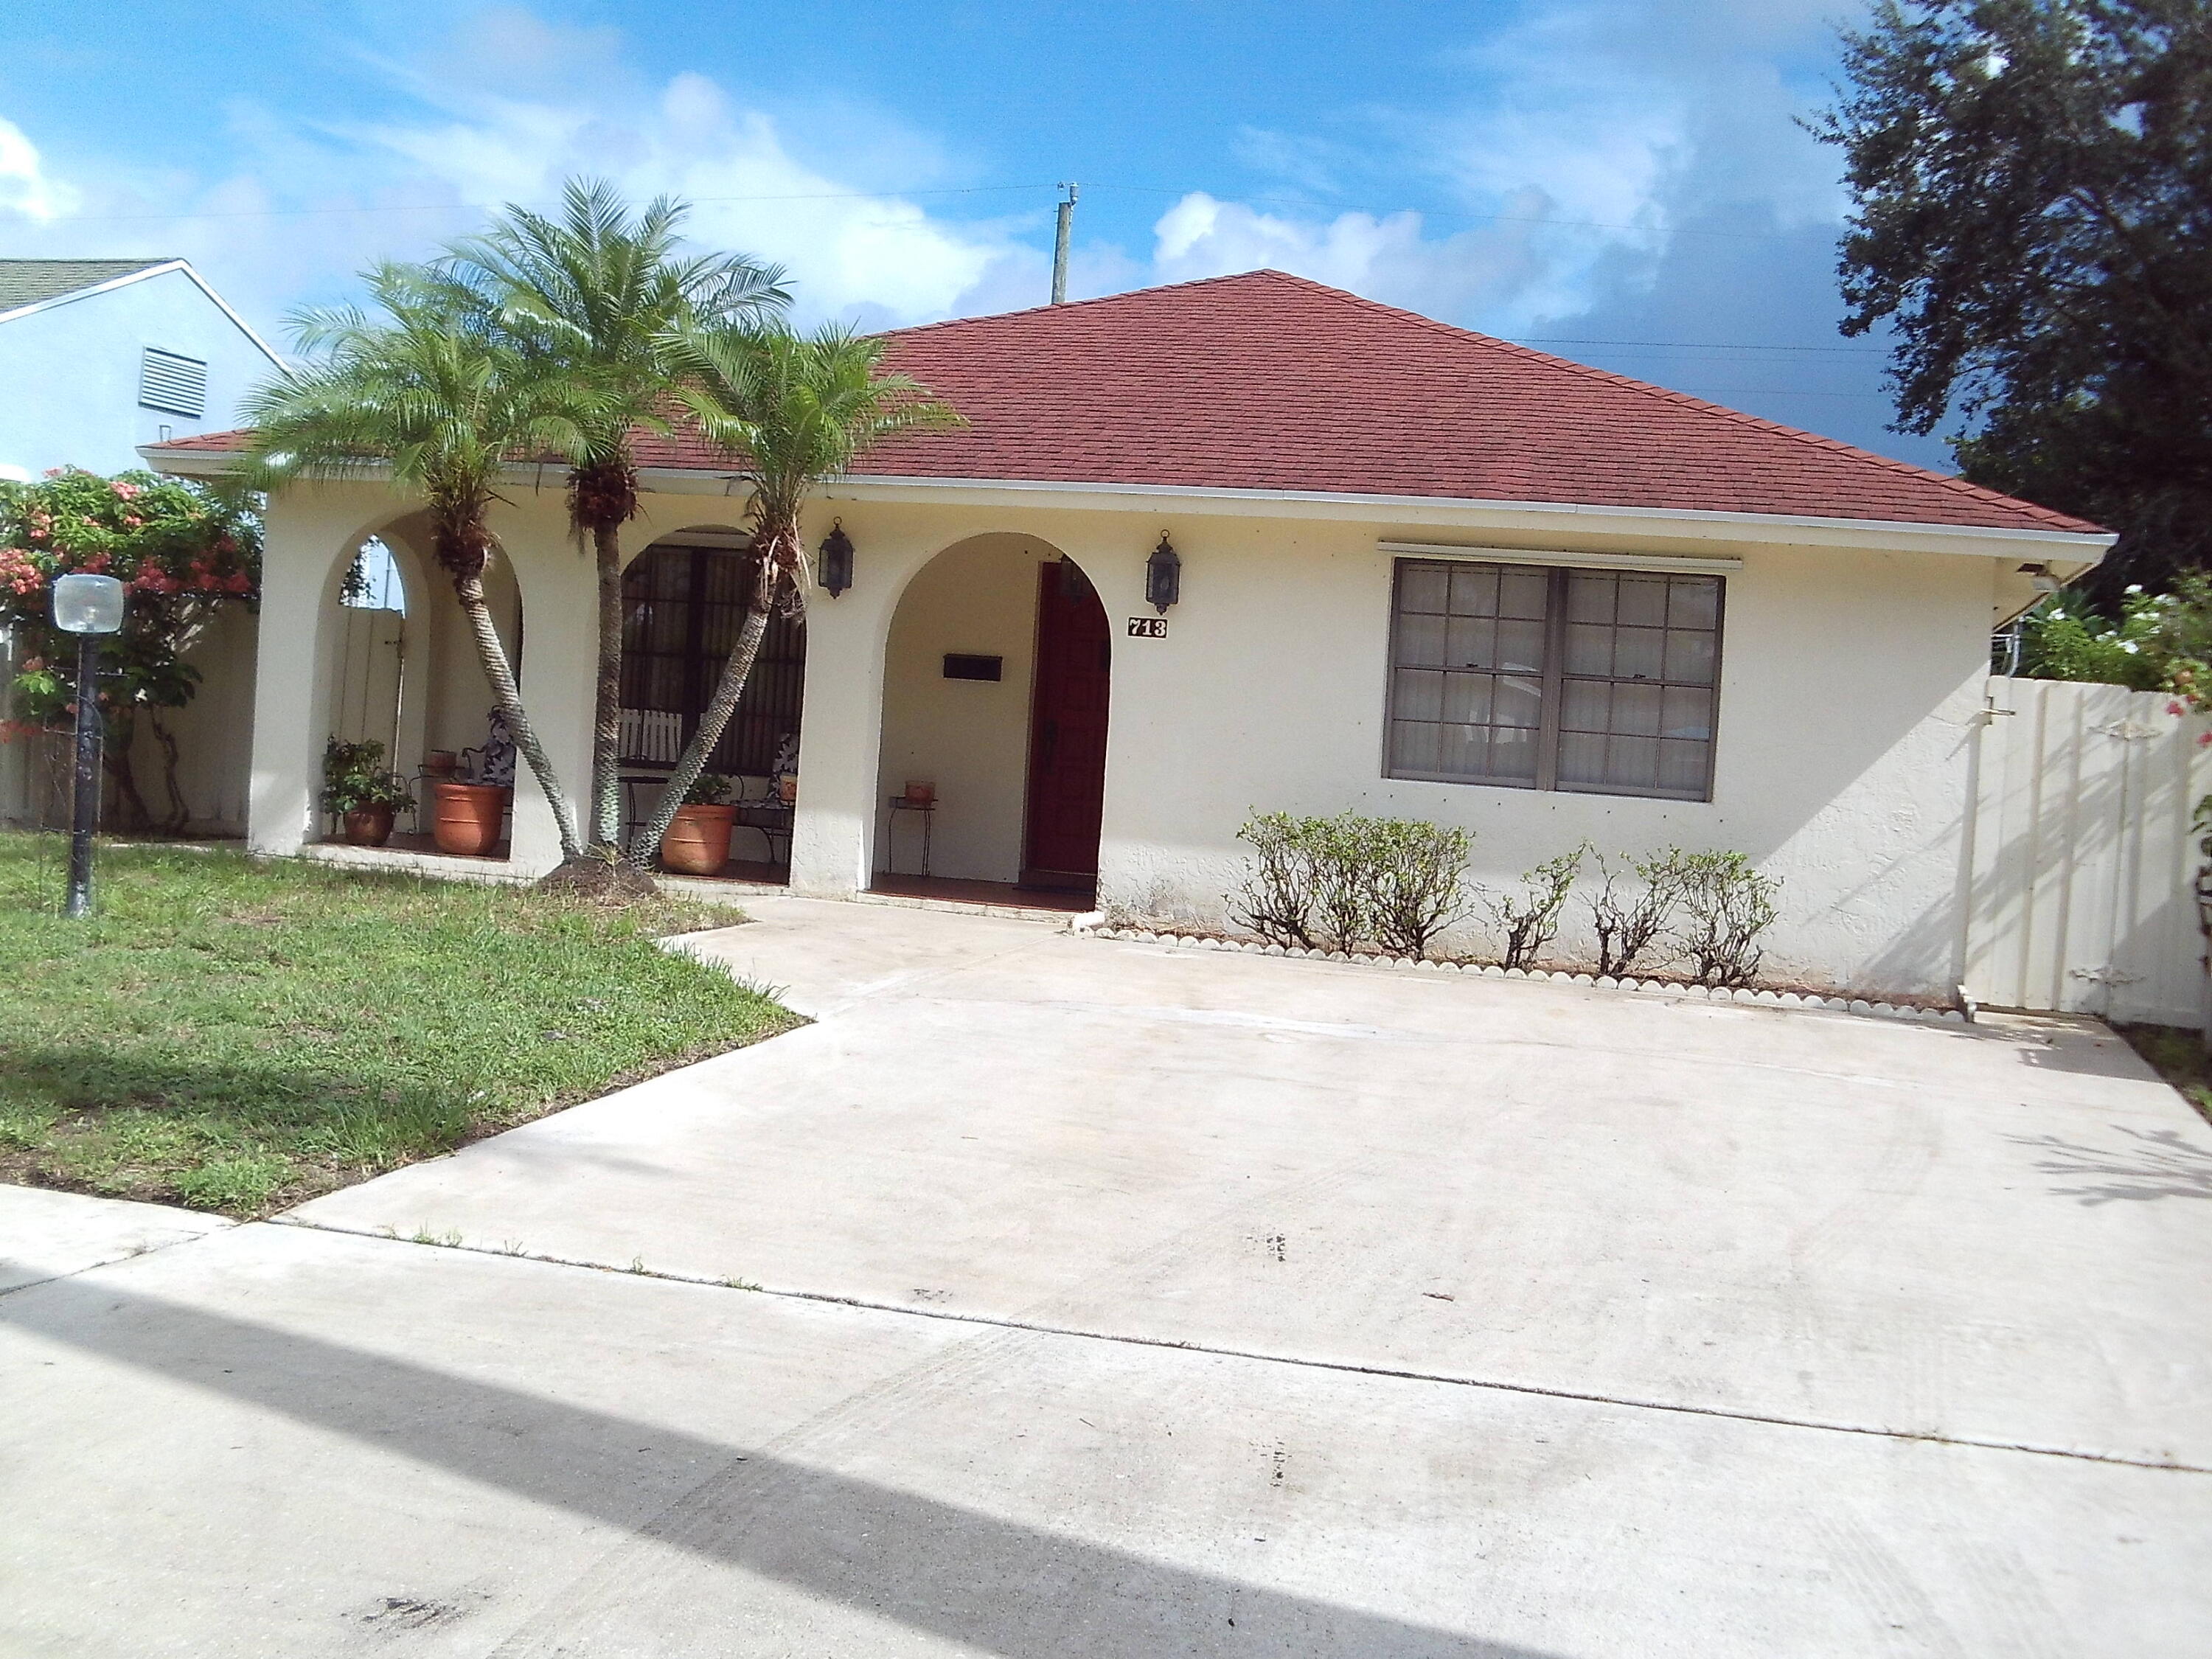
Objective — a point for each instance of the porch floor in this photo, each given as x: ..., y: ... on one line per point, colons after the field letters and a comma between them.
x: 995, y: 894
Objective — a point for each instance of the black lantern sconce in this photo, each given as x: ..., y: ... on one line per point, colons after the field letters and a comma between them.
x: 836, y: 564
x: 1162, y: 576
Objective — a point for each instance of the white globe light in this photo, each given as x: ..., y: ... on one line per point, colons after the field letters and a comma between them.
x: 85, y: 604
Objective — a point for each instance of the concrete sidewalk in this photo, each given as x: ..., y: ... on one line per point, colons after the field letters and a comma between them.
x: 1221, y: 1305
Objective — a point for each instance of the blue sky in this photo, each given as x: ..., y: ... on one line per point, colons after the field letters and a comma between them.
x: 1620, y: 180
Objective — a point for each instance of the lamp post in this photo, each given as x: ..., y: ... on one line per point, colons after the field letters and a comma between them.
x: 90, y: 607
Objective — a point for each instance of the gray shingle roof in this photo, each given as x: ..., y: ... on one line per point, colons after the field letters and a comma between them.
x: 26, y: 282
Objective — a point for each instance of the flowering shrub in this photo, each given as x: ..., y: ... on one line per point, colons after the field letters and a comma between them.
x: 2063, y: 639
x: 182, y: 553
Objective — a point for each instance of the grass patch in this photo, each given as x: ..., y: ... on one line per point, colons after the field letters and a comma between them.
x: 2178, y: 1055
x: 241, y: 1034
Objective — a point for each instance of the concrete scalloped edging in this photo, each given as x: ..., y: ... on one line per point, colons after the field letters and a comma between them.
x: 1750, y: 996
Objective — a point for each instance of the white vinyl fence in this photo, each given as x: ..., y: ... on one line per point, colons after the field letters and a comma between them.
x: 2081, y: 895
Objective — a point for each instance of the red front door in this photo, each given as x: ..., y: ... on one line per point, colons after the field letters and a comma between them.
x: 1067, y: 731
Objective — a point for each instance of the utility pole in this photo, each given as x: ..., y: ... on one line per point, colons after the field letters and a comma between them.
x: 1067, y: 219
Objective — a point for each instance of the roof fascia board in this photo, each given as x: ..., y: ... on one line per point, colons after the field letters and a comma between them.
x: 128, y: 278
x: 1762, y: 529
x: 1431, y: 512
x: 107, y: 286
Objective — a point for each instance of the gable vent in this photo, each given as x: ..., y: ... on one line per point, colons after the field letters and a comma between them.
x: 174, y: 384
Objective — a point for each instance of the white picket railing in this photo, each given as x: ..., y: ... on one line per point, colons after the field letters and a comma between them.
x: 2082, y: 868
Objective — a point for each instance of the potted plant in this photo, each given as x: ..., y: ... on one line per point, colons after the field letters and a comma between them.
x: 466, y: 817
x: 697, y: 840
x: 361, y: 791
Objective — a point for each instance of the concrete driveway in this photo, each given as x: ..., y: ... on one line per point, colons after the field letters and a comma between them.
x: 1126, y: 1300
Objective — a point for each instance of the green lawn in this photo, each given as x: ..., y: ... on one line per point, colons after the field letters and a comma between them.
x: 239, y: 1034
x: 2179, y: 1057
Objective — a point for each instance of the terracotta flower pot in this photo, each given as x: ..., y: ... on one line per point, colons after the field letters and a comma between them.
x: 367, y: 826
x: 464, y: 818
x: 697, y: 840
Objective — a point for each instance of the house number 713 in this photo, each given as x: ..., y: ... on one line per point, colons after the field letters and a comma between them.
x: 1148, y: 628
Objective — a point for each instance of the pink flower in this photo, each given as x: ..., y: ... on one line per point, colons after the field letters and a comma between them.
x: 2204, y: 738
x: 124, y: 491
x: 2175, y: 708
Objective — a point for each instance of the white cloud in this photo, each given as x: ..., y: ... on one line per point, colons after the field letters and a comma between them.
x: 851, y: 251
x: 1386, y: 259
x: 25, y: 188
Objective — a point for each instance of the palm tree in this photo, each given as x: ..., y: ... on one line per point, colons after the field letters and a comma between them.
x: 600, y: 292
x: 429, y: 393
x: 795, y: 410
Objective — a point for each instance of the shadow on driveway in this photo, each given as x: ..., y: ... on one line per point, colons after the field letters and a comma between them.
x: 2160, y: 1163
x: 954, y: 1573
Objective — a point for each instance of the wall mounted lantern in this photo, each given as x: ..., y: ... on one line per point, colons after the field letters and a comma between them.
x: 1162, y: 576
x: 836, y: 559
x: 90, y: 607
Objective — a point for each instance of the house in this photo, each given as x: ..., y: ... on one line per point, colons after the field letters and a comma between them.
x: 102, y: 356
x: 1421, y: 572
x: 97, y: 357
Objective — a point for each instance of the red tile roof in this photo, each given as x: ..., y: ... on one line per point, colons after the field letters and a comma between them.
x: 1268, y: 382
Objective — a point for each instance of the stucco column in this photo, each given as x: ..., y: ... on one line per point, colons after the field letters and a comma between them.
x: 833, y: 832
x: 303, y: 538
x: 560, y: 644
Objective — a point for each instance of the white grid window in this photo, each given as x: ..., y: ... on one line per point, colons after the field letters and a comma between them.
x: 1535, y: 678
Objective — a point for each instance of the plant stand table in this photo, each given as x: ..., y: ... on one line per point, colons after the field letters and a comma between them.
x: 900, y: 804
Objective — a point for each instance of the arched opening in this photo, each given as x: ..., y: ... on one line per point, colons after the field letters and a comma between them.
x: 684, y: 600
x: 997, y: 682
x: 371, y: 648
x: 401, y: 670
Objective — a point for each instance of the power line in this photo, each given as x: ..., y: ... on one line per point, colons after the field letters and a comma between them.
x: 994, y: 190
x: 1690, y: 345
x: 1276, y: 197
x: 477, y: 207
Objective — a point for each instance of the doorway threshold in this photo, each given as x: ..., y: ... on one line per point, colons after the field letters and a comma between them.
x: 975, y: 897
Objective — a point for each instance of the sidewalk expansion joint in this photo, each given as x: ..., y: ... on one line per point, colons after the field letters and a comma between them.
x: 1342, y: 1367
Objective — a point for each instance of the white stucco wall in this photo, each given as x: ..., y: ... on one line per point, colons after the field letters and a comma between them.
x: 69, y: 374
x: 1851, y: 687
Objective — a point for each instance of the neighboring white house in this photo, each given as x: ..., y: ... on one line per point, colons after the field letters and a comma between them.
x: 98, y: 356
x: 1422, y: 573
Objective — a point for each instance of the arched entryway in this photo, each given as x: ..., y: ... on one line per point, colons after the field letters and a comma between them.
x: 997, y: 682
x: 684, y: 600
x: 400, y: 668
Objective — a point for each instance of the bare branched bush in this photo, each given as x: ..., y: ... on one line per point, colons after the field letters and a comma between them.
x: 1629, y: 915
x: 1529, y: 920
x: 1342, y: 890
x: 1342, y: 882
x: 1416, y: 875
x: 1277, y: 899
x: 1727, y: 905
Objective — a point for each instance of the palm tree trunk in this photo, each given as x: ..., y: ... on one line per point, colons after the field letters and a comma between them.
x: 727, y: 690
x: 606, y: 699
x: 492, y: 655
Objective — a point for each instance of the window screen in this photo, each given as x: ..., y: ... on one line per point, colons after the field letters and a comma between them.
x: 1536, y: 677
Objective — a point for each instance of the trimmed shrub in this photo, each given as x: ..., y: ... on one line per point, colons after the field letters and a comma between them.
x: 1628, y: 917
x: 1277, y: 899
x: 1528, y: 920
x: 1727, y: 904
x: 1341, y: 882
